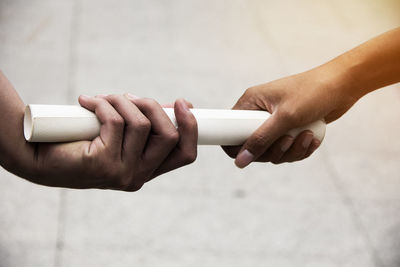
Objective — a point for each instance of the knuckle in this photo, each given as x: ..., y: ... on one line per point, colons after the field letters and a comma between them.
x: 302, y: 155
x: 124, y: 182
x: 275, y: 161
x: 116, y: 120
x: 112, y: 172
x: 99, y: 101
x: 129, y: 180
x: 114, y: 98
x: 172, y: 136
x: 284, y: 113
x: 248, y: 96
x: 296, y: 156
x: 258, y: 141
x: 250, y: 91
x: 149, y: 102
x: 299, y: 154
x: 189, y: 157
x: 142, y: 124
x: 289, y: 115
x: 133, y: 187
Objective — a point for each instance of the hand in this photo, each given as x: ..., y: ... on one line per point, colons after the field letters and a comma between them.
x: 294, y: 101
x: 137, y: 142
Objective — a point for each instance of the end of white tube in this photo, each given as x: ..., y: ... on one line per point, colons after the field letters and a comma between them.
x: 28, y: 129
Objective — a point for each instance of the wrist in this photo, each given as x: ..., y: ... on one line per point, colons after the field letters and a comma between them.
x: 364, y: 68
x: 342, y: 78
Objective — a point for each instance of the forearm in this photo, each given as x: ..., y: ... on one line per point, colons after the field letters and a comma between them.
x: 16, y: 155
x: 325, y: 92
x: 370, y: 66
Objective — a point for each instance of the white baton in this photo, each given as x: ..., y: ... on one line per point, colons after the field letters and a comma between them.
x: 67, y: 123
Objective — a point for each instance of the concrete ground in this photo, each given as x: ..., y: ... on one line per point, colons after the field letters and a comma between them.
x: 341, y: 207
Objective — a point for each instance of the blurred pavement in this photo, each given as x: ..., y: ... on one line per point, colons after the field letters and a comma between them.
x: 341, y: 207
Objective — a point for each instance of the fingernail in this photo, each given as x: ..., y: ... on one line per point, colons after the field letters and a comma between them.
x: 286, y: 144
x: 187, y: 103
x: 185, y: 107
x: 86, y: 96
x: 307, y: 140
x: 133, y: 97
x: 181, y: 102
x: 244, y: 158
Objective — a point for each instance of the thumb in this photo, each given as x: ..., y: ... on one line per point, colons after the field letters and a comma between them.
x: 258, y: 143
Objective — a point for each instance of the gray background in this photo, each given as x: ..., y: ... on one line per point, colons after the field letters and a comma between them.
x: 341, y: 207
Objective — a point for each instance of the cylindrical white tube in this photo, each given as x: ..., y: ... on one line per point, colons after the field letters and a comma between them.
x: 64, y: 123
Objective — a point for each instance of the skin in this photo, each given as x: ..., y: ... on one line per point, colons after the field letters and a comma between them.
x: 325, y: 92
x: 137, y: 143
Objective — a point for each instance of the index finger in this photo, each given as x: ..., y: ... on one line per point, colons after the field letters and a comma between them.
x: 112, y: 128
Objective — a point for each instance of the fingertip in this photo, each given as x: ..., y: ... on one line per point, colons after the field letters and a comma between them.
x: 189, y: 104
x: 314, y: 145
x: 84, y: 99
x: 131, y: 96
x: 185, y: 118
x: 286, y: 143
x: 244, y: 158
x: 308, y: 137
x: 181, y: 106
x: 316, y: 142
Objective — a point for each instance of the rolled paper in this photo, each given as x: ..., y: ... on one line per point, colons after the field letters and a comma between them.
x: 66, y: 123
